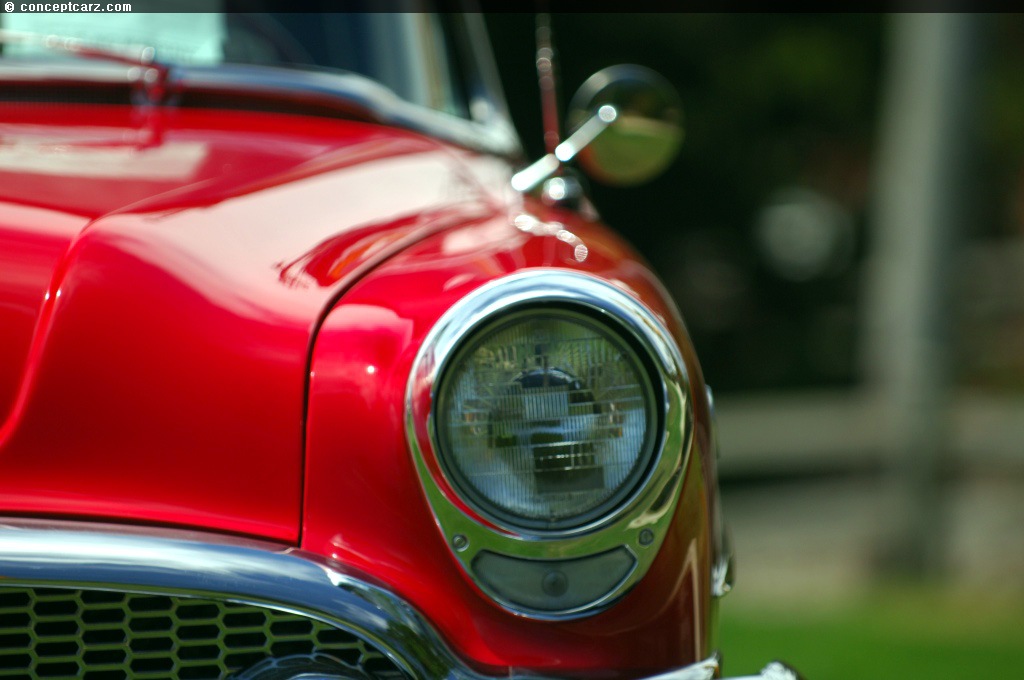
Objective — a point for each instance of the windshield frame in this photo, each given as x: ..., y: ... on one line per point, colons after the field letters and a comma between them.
x: 488, y: 127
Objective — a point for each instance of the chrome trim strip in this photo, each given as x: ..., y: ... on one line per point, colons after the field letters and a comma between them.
x: 284, y: 578
x: 646, y: 513
x: 81, y: 555
x: 494, y: 133
x: 723, y: 570
x: 723, y: 575
x: 100, y: 556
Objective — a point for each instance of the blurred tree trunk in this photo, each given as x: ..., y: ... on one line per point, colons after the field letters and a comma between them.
x: 926, y: 134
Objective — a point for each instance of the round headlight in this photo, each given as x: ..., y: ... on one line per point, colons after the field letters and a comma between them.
x: 547, y: 418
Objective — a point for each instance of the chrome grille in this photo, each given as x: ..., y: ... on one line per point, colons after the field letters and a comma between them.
x: 103, y: 634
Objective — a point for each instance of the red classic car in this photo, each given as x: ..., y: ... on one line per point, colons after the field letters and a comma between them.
x: 299, y: 379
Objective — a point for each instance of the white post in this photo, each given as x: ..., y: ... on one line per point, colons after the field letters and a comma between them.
x: 925, y: 135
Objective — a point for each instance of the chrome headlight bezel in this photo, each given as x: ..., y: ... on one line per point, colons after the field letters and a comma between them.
x: 639, y: 519
x: 614, y: 335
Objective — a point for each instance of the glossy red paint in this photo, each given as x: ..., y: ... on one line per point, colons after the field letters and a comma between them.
x: 168, y: 275
x: 177, y: 279
x: 364, y: 504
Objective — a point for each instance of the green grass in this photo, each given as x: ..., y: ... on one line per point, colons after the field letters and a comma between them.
x: 893, y: 632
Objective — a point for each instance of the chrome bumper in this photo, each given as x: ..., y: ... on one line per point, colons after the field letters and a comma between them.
x: 708, y: 669
x: 40, y: 554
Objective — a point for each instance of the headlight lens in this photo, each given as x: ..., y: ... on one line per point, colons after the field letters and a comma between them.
x: 546, y: 418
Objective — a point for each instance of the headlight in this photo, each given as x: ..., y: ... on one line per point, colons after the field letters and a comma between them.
x: 546, y: 418
x: 549, y: 420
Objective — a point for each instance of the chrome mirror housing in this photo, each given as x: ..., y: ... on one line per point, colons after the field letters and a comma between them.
x: 626, y: 124
x: 642, y: 130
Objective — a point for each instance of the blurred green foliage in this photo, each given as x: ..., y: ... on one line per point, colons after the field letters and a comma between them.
x: 906, y: 632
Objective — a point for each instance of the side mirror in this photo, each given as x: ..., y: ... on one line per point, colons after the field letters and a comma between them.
x: 627, y: 128
x: 645, y: 133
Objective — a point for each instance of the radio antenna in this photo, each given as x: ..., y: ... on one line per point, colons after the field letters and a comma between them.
x: 547, y: 79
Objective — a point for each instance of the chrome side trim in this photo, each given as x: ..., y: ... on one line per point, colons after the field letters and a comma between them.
x: 287, y: 579
x: 148, y: 560
x: 722, y: 578
x: 723, y: 571
x: 641, y: 522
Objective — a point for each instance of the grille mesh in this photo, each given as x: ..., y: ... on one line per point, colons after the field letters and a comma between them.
x: 99, y: 634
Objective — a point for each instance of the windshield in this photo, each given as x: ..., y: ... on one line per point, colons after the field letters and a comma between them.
x: 407, y: 51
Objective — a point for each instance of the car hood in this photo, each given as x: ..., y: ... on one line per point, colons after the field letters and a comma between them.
x: 162, y: 275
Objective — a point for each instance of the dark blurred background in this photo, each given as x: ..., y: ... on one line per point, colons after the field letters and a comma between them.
x: 844, y: 234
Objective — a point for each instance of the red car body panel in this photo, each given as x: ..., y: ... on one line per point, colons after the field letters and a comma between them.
x: 156, y: 330
x: 226, y: 345
x: 364, y: 505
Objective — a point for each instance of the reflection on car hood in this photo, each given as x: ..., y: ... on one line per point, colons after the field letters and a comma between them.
x: 162, y: 273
